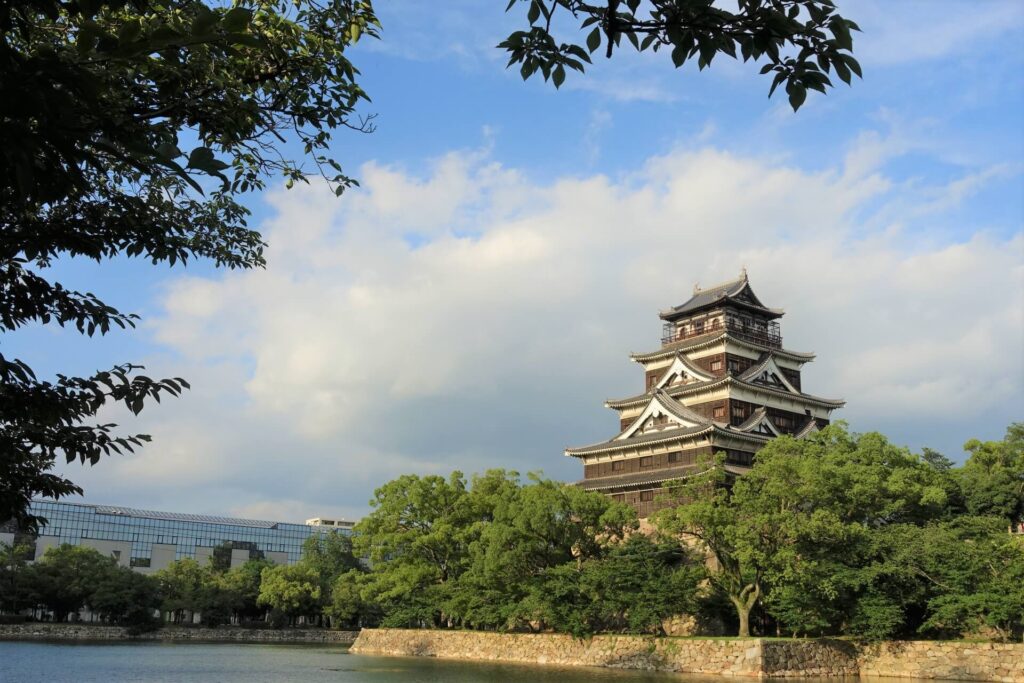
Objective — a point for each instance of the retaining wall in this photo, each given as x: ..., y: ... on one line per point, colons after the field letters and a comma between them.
x: 45, y: 631
x: 753, y: 657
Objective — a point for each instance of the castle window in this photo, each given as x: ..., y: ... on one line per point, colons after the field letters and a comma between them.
x: 719, y: 411
x: 698, y: 327
x: 674, y: 457
x: 738, y: 411
x: 618, y: 465
x: 647, y: 461
x: 716, y: 365
x: 646, y: 496
x: 618, y: 497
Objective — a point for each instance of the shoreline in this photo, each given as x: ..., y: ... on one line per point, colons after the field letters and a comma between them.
x: 102, y: 633
x: 761, y: 658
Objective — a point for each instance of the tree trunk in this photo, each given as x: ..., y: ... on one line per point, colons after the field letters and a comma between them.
x: 744, y: 614
x: 744, y: 603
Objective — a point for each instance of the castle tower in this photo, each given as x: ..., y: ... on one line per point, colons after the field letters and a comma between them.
x: 721, y: 382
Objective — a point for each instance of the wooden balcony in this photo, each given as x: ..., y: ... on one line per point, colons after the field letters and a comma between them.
x: 760, y: 332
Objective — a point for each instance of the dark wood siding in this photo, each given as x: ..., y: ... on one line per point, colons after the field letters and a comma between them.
x: 707, y: 362
x: 632, y: 465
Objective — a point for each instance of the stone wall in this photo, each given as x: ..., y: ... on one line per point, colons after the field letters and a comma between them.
x: 45, y: 631
x: 933, y: 659
x: 758, y: 658
x: 729, y: 657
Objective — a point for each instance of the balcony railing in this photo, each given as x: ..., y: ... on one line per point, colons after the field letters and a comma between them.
x: 762, y: 332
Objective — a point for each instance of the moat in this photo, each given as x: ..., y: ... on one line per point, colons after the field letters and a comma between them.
x: 32, y: 662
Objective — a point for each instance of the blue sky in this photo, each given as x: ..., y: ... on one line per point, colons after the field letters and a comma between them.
x: 474, y: 303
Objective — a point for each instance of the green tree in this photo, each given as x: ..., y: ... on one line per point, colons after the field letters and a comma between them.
x: 134, y: 129
x: 800, y: 520
x: 347, y: 606
x: 638, y: 584
x: 526, y: 564
x: 242, y: 584
x: 183, y: 586
x: 62, y: 581
x: 954, y: 578
x: 799, y: 42
x: 417, y: 539
x: 124, y: 596
x: 992, y: 479
x: 330, y: 555
x: 14, y: 560
x: 292, y: 591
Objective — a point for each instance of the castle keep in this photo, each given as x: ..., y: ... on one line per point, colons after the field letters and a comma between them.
x: 721, y: 382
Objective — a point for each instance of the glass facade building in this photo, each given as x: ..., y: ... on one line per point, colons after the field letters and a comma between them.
x: 148, y: 540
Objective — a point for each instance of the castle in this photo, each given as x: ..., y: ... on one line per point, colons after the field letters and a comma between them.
x: 721, y: 382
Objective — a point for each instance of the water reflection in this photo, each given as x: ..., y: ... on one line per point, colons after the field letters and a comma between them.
x: 26, y: 662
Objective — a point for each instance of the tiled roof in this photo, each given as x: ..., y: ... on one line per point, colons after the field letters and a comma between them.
x: 697, y: 387
x: 638, y: 478
x: 645, y: 439
x: 713, y: 338
x: 751, y: 422
x: 650, y: 477
x: 663, y: 436
x: 713, y: 296
x: 679, y: 410
x: 809, y: 428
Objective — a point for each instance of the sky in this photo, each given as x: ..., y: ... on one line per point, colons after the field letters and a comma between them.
x: 475, y: 301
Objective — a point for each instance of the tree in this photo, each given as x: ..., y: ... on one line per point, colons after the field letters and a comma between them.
x: 800, y: 41
x: 417, y: 540
x: 63, y: 579
x: 329, y: 555
x: 100, y: 102
x: 526, y: 563
x: 242, y: 584
x: 13, y: 570
x: 124, y: 596
x: 182, y: 586
x: 800, y: 521
x: 992, y: 479
x: 292, y: 591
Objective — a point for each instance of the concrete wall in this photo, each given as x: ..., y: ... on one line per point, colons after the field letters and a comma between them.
x: 239, y: 557
x: 44, y: 543
x: 161, y: 556
x: 63, y: 632
x: 204, y: 554
x: 121, y: 550
x: 758, y: 658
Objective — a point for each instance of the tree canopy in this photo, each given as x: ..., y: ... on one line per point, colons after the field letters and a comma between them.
x: 849, y: 534
x: 134, y: 128
x: 799, y: 42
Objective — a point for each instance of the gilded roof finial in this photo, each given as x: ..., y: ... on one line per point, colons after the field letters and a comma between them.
x: 743, y: 272
x: 696, y: 288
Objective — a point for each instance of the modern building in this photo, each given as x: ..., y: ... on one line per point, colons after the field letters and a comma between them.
x: 721, y: 382
x: 149, y: 541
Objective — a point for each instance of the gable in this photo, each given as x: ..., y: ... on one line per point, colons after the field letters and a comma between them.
x: 682, y: 372
x: 661, y: 412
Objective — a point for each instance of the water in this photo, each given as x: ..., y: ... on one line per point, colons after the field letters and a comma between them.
x: 27, y: 662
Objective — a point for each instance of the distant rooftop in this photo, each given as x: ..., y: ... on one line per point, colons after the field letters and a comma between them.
x: 119, y: 511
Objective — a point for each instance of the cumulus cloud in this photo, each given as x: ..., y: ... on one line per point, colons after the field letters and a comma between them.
x: 492, y: 338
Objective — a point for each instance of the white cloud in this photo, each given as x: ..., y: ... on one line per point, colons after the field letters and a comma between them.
x: 493, y: 339
x: 904, y: 32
